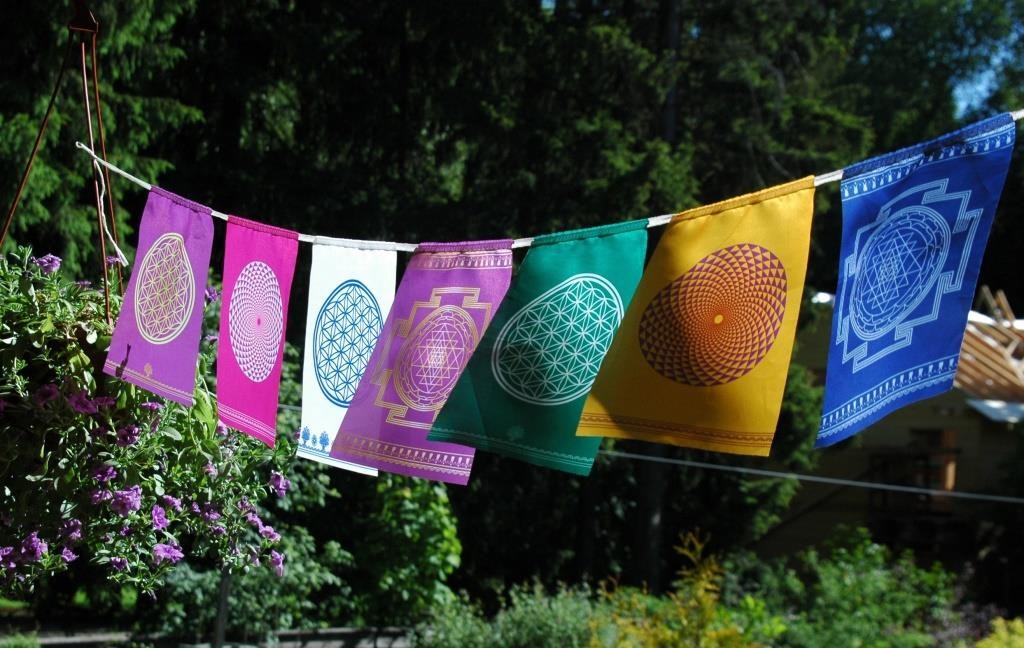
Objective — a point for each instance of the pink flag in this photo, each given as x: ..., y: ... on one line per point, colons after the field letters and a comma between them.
x: 259, y: 261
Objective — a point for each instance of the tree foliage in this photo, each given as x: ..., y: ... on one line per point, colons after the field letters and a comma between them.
x: 428, y: 120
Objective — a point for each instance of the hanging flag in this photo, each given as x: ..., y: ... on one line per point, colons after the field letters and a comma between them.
x: 350, y: 293
x: 447, y: 298
x: 915, y: 223
x: 258, y: 264
x: 524, y: 388
x: 156, y: 341
x: 701, y: 357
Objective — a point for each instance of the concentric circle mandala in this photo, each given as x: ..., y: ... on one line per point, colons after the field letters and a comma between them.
x: 433, y: 356
x: 346, y: 331
x: 715, y: 323
x: 549, y: 352
x: 896, y: 270
x: 256, y: 320
x: 165, y: 292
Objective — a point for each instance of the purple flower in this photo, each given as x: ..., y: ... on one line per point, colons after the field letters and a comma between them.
x: 5, y: 562
x: 119, y: 563
x: 83, y: 283
x: 218, y: 530
x: 126, y: 501
x: 170, y: 553
x: 151, y: 405
x: 210, y: 513
x: 222, y: 430
x: 112, y: 261
x: 99, y: 496
x: 159, y: 517
x: 67, y: 555
x: 104, y: 473
x: 277, y: 562
x: 254, y: 520
x: 33, y: 547
x: 245, y: 505
x: 48, y: 264
x: 125, y: 531
x: 211, y: 294
x: 128, y: 435
x: 210, y: 469
x: 195, y: 508
x: 269, y: 533
x: 71, y: 530
x: 279, y: 483
x: 81, y: 403
x: 172, y: 502
x: 105, y: 401
x: 46, y: 393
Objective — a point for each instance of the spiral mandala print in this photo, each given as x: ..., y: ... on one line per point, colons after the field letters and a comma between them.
x: 256, y: 320
x: 718, y: 321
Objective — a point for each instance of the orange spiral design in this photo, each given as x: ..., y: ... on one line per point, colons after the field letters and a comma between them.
x: 717, y: 321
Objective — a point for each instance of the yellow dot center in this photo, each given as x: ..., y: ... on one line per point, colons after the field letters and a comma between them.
x: 719, y: 318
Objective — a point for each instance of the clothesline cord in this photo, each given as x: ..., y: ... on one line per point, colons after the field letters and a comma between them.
x: 853, y: 483
x: 653, y: 221
x: 817, y: 479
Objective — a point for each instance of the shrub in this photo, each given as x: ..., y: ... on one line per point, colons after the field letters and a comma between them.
x: 97, y: 470
x: 1005, y: 634
x: 855, y: 593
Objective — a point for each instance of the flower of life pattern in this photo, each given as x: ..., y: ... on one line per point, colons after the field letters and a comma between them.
x: 346, y: 331
x: 898, y: 267
x: 434, y: 355
x: 256, y: 320
x: 715, y: 323
x: 165, y: 292
x: 549, y: 352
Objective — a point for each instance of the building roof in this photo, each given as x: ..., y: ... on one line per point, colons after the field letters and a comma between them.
x: 992, y: 356
x: 991, y: 369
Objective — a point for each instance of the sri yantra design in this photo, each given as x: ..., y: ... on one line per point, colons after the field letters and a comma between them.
x: 256, y: 320
x: 346, y: 331
x: 898, y: 267
x: 433, y: 356
x: 715, y: 323
x: 165, y: 292
x: 549, y: 352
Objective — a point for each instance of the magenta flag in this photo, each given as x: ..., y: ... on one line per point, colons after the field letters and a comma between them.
x: 259, y: 261
x: 156, y: 339
x: 444, y: 304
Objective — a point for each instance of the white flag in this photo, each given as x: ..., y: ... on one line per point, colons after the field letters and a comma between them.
x: 350, y: 294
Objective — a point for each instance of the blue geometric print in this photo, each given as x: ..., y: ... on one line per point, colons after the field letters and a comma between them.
x: 915, y: 224
x: 346, y: 331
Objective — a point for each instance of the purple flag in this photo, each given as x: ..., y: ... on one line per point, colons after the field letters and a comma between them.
x: 259, y: 261
x: 156, y: 339
x: 447, y: 298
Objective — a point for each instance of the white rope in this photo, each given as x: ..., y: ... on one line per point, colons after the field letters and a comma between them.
x: 121, y: 258
x: 654, y: 221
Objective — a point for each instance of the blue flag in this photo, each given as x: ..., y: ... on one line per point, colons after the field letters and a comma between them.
x: 915, y: 223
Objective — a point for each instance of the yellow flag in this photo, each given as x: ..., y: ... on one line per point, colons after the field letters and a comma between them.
x: 701, y: 357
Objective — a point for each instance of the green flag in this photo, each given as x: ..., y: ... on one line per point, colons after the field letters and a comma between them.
x: 523, y: 391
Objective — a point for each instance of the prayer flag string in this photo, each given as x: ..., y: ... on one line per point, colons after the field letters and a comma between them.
x: 653, y: 221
